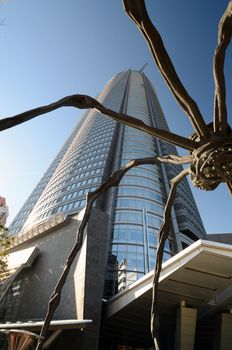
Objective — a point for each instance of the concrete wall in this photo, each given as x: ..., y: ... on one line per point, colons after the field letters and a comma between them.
x: 82, y: 293
x: 220, y: 238
x: 39, y: 280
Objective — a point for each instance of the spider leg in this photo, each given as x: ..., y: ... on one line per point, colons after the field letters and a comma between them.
x: 78, y: 101
x: 229, y: 186
x: 174, y: 159
x: 139, y: 124
x: 113, y: 180
x: 85, y: 102
x: 162, y: 236
x: 136, y: 9
x: 224, y: 36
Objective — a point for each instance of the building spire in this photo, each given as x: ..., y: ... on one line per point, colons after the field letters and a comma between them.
x: 143, y: 67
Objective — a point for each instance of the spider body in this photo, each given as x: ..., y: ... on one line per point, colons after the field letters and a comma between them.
x: 212, y: 164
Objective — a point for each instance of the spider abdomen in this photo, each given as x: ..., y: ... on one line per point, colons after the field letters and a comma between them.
x: 211, y: 166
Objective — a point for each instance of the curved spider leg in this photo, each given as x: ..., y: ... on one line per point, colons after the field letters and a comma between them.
x: 174, y: 159
x: 229, y: 187
x: 163, y: 235
x: 136, y: 10
x: 139, y: 124
x: 224, y: 36
x: 113, y: 180
x: 78, y: 101
x: 85, y: 102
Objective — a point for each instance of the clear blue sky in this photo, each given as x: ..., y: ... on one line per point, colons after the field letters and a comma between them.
x: 50, y: 49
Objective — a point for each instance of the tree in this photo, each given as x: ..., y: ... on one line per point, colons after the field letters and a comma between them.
x: 5, y: 241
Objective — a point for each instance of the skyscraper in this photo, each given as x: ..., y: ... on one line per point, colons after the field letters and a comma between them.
x: 97, y: 147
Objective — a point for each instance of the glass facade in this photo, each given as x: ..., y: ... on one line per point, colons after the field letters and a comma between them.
x: 82, y: 164
x: 139, y: 201
x: 96, y: 148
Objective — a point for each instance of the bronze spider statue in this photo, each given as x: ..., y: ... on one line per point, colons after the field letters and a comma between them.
x: 210, y: 147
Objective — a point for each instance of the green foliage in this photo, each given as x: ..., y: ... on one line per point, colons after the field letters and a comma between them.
x: 5, y: 240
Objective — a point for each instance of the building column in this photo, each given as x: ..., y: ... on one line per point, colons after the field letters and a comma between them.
x: 223, y: 335
x: 89, y: 278
x: 185, y: 328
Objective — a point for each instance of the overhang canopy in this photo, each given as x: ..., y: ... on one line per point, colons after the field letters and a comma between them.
x: 54, y: 325
x: 200, y: 275
x: 22, y: 258
x: 17, y: 261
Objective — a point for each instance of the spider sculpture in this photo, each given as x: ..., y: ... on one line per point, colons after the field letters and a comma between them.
x: 210, y: 147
